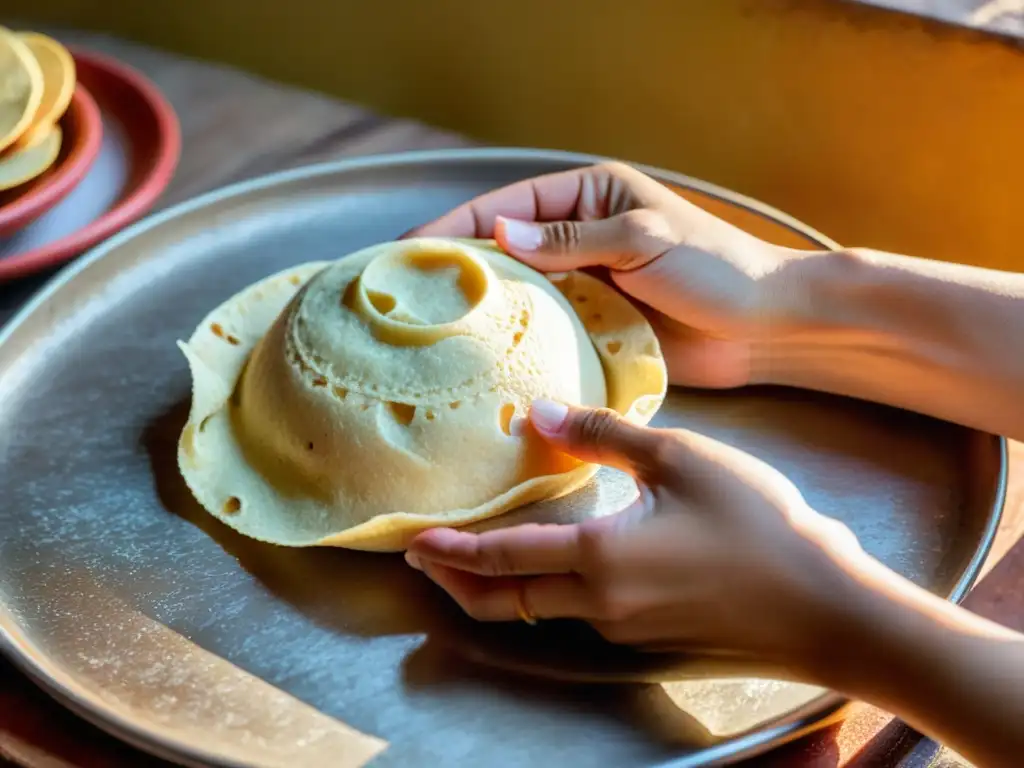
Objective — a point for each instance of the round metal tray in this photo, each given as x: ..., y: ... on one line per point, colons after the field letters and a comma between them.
x: 147, y: 617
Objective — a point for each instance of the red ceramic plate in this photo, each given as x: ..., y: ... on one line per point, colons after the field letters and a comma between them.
x: 82, y: 130
x: 139, y: 151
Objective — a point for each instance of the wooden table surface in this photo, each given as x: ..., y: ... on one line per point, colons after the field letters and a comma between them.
x: 235, y: 126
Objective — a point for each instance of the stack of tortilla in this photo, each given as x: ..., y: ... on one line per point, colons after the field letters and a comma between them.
x: 37, y: 80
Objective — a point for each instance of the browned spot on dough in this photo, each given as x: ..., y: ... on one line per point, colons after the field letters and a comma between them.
x: 340, y: 392
x: 319, y: 381
x: 233, y: 506
x: 188, y: 441
x: 613, y: 347
x: 505, y: 416
x: 403, y: 413
x: 348, y: 296
x: 382, y: 302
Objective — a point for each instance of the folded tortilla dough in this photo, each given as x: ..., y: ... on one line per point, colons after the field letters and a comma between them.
x: 358, y: 402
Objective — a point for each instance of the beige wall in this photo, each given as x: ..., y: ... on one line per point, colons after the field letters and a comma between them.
x: 877, y: 128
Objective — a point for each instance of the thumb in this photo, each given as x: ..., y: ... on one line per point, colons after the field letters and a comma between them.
x: 600, y: 436
x: 626, y: 241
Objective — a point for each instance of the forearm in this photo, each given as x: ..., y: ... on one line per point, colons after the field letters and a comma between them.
x: 950, y: 674
x: 941, y: 339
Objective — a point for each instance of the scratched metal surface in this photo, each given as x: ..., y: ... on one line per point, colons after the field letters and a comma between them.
x: 134, y: 608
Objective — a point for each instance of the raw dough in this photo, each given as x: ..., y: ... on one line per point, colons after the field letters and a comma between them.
x: 355, y: 403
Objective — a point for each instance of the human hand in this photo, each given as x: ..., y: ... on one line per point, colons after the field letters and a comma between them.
x: 720, y: 554
x: 708, y: 285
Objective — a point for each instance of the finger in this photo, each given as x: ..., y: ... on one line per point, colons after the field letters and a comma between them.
x: 490, y: 599
x: 623, y: 242
x: 601, y: 436
x: 553, y: 196
x: 522, y: 550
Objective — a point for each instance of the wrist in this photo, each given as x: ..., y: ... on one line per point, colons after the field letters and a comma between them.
x: 808, y: 314
x: 921, y: 335
x: 890, y: 641
x: 845, y: 639
x: 950, y: 674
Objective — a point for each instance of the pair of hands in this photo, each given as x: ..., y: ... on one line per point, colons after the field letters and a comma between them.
x: 720, y: 553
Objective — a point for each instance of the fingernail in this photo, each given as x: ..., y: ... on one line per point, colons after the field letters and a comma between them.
x: 548, y: 416
x: 413, y: 561
x: 521, y: 235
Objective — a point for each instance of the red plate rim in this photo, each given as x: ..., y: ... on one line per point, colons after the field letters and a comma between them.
x: 85, y: 147
x: 158, y: 173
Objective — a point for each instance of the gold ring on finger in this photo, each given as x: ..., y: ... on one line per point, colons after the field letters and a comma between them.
x: 521, y: 610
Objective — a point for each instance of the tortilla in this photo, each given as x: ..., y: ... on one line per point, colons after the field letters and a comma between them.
x: 21, y: 87
x: 30, y: 157
x: 58, y: 73
x: 356, y: 403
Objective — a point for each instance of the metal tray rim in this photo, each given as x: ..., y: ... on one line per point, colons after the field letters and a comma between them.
x: 799, y: 722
